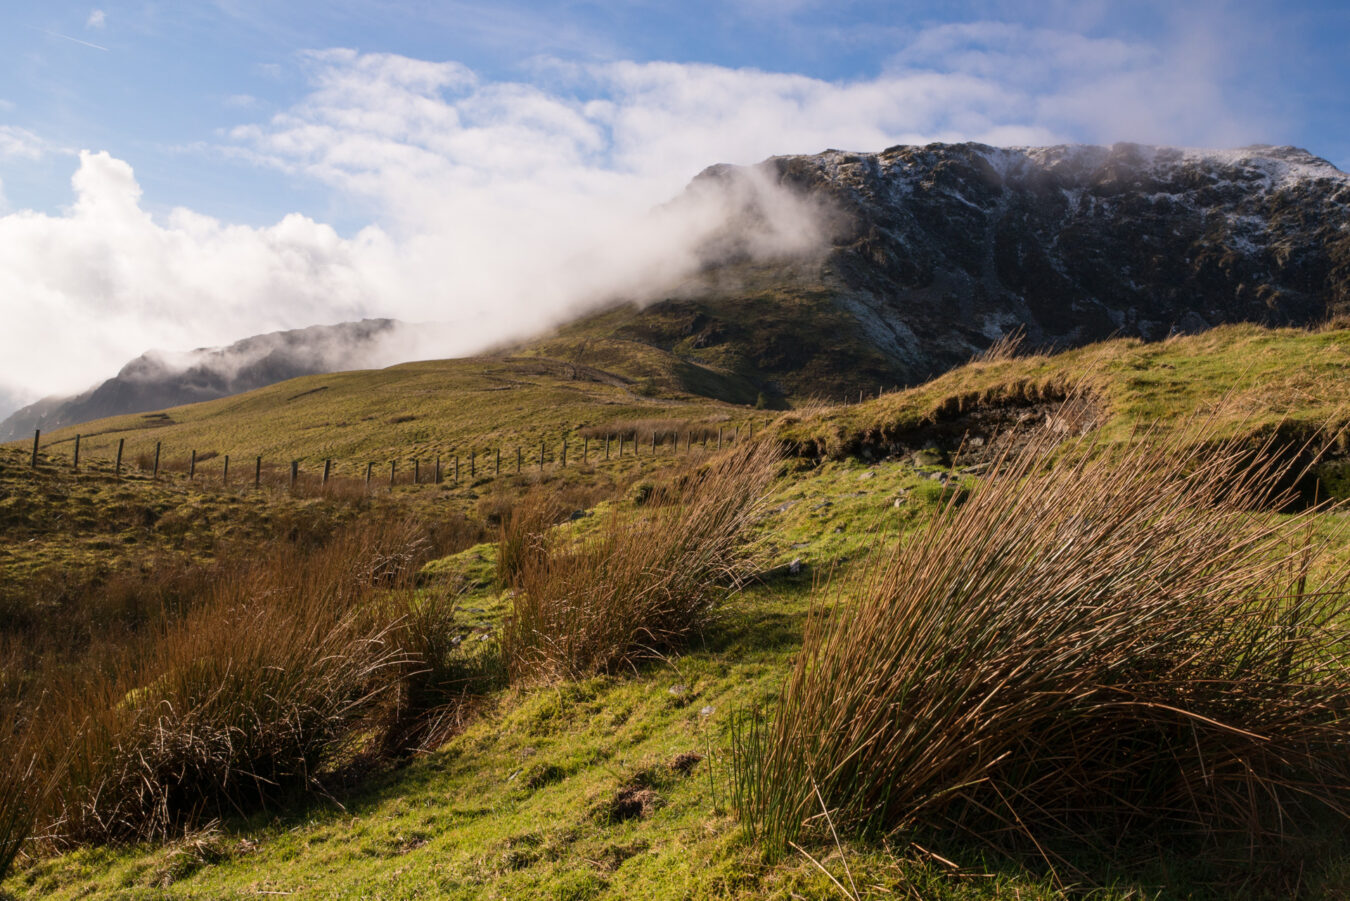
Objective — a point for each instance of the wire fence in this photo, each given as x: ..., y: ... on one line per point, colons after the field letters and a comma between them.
x: 587, y: 447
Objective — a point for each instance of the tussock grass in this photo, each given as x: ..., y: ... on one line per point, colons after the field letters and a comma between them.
x: 23, y: 789
x: 645, y: 583
x: 1110, y: 643
x: 247, y: 695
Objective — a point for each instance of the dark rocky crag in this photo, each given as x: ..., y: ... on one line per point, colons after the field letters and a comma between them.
x: 156, y: 380
x: 939, y: 250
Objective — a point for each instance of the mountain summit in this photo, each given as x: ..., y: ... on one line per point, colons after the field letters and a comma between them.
x: 940, y: 250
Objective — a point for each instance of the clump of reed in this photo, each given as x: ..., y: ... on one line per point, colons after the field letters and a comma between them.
x: 246, y: 696
x: 23, y: 789
x: 644, y: 583
x: 1091, y: 644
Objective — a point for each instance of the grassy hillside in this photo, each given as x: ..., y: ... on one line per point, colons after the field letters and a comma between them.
x: 1256, y: 381
x: 619, y: 784
x: 419, y: 410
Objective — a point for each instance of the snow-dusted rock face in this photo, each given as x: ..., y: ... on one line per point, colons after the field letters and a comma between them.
x: 941, y: 249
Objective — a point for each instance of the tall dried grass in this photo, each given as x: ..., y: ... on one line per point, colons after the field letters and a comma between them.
x: 1119, y: 640
x: 645, y: 583
x: 244, y: 697
x: 23, y: 789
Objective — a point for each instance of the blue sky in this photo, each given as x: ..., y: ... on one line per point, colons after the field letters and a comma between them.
x: 175, y: 174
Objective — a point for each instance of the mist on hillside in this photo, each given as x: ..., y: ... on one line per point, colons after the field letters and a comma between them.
x: 299, y: 273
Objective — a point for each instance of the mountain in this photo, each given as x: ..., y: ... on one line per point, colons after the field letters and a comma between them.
x: 158, y: 379
x: 935, y: 252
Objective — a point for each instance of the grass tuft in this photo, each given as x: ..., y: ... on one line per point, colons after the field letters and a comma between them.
x: 646, y: 582
x: 1115, y: 643
x: 246, y: 696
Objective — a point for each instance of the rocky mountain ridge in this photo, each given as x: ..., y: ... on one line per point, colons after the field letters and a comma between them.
x: 941, y: 249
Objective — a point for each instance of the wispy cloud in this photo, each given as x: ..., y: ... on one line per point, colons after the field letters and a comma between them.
x: 97, y: 19
x: 66, y: 37
x: 19, y: 143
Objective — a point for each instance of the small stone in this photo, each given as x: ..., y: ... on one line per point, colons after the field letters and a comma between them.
x: 868, y: 475
x: 795, y: 567
x: 706, y: 711
x: 678, y: 690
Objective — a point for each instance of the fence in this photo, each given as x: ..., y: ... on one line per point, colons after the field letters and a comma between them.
x: 592, y: 446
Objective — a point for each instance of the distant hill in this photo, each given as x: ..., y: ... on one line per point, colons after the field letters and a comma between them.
x: 159, y: 379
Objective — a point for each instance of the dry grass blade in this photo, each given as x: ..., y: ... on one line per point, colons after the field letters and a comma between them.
x: 646, y: 582
x: 1117, y: 640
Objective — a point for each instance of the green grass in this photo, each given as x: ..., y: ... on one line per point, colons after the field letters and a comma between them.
x: 527, y: 798
x: 1261, y: 378
x: 415, y: 410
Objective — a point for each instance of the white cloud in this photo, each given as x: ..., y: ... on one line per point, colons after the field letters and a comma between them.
x: 19, y: 143
x: 97, y: 19
x: 104, y: 282
x: 505, y: 205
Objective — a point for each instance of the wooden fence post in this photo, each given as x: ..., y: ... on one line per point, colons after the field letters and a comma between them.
x: 456, y: 469
x: 295, y: 472
x: 621, y: 445
x: 192, y: 467
x: 719, y: 437
x: 225, y: 472
x: 117, y: 470
x: 541, y: 456
x: 370, y: 467
x: 393, y: 471
x: 257, y: 472
x: 155, y: 473
x: 519, y: 458
x: 37, y: 433
x: 585, y: 449
x: 498, y: 453
x: 564, y: 453
x: 327, y: 468
x: 473, y: 464
x: 417, y: 470
x: 653, y: 442
x: 438, y: 469
x: 606, y: 447
x: 76, y: 464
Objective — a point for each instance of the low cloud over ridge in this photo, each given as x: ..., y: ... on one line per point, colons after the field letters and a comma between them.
x: 484, y: 196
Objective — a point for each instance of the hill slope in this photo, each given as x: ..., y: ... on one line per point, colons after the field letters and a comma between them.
x: 938, y: 251
x: 157, y: 379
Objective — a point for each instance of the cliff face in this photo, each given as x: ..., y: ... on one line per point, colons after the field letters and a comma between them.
x: 940, y: 250
x: 157, y: 380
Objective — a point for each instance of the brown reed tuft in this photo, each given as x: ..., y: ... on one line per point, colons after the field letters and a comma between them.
x: 645, y: 583
x: 1123, y: 639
